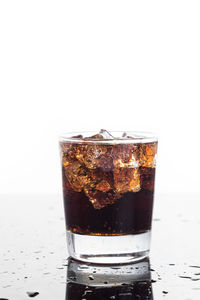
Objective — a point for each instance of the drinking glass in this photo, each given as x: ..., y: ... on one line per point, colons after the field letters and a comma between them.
x: 108, y: 191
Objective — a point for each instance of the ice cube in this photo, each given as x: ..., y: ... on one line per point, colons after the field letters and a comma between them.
x: 99, y: 177
x: 102, y: 135
x: 103, y: 186
x: 94, y: 137
x: 90, y: 155
x: 125, y: 156
x: 148, y: 155
x: 77, y: 175
x: 79, y: 136
x: 100, y: 199
x: 147, y: 176
x: 106, y: 135
x: 124, y: 134
x: 133, y: 136
x: 68, y: 155
x: 126, y: 180
x: 105, y: 162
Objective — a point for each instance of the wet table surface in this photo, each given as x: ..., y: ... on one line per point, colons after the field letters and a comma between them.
x: 34, y: 261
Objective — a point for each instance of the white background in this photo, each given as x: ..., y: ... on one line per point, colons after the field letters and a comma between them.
x: 83, y: 65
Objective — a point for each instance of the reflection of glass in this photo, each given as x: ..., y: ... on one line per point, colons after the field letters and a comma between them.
x: 117, y: 282
x: 108, y: 188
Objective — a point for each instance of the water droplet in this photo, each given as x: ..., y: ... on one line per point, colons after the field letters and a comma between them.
x: 72, y: 277
x: 32, y: 294
x: 82, y: 267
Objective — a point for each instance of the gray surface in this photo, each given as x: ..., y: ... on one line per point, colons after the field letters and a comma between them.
x: 33, y: 248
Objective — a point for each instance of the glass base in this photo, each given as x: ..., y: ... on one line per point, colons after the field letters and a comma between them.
x: 103, y: 276
x: 108, y: 249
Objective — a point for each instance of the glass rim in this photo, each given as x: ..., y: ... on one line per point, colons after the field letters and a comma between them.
x: 135, y: 137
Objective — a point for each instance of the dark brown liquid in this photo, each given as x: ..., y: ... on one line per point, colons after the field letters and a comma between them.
x: 132, y: 213
x: 138, y: 290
